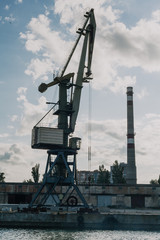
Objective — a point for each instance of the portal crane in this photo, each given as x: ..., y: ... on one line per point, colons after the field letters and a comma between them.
x: 62, y: 170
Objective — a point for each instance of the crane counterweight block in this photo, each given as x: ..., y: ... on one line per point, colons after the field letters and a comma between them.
x: 43, y: 86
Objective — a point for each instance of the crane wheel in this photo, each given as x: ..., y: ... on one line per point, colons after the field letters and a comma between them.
x: 72, y: 201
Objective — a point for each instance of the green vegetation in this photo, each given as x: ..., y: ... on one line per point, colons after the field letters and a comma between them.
x: 28, y: 181
x: 104, y: 175
x: 2, y: 177
x: 155, y: 181
x: 91, y: 179
x: 117, y: 173
x: 35, y: 173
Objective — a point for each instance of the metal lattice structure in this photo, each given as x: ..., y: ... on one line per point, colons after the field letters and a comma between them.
x: 62, y: 171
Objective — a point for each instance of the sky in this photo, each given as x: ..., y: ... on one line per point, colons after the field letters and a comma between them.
x: 36, y: 37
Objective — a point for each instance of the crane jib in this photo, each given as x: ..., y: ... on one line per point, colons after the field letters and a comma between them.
x: 88, y: 44
x: 68, y: 111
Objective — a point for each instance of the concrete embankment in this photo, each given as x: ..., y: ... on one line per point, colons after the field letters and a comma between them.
x: 113, y: 220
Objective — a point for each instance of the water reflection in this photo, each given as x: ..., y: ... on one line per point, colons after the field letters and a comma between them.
x: 30, y: 234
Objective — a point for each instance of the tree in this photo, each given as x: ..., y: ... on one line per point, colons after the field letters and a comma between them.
x: 35, y: 173
x: 158, y: 180
x: 91, y: 179
x: 2, y: 177
x: 104, y: 175
x: 154, y: 181
x: 28, y: 181
x: 117, y: 173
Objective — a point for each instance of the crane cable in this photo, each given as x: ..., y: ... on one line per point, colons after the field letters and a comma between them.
x: 54, y: 104
x: 89, y: 126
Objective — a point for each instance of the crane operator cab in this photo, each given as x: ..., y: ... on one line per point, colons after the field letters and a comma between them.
x: 75, y: 143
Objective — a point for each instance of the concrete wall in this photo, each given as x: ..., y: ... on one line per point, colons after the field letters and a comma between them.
x: 4, y: 198
x: 124, y: 196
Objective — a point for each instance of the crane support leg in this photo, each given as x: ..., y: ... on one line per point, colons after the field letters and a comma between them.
x: 53, y: 180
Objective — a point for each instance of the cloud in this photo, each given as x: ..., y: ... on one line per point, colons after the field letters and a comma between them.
x: 147, y: 146
x: 18, y: 1
x: 39, y: 68
x: 156, y: 16
x: 17, y: 160
x: 121, y: 83
x: 69, y: 9
x: 109, y: 142
x: 41, y: 39
x: 12, y: 155
x: 47, y: 43
x: 143, y: 93
x: 15, y: 149
x: 21, y: 90
x: 47, y: 10
x: 31, y: 113
x: 116, y: 45
x: 4, y: 135
x: 5, y: 156
x: 7, y: 7
x: 128, y: 47
x: 14, y: 118
x: 10, y: 127
x: 9, y: 19
x: 118, y: 49
x: 135, y: 47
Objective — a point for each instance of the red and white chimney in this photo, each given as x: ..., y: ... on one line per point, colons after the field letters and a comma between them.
x: 131, y: 176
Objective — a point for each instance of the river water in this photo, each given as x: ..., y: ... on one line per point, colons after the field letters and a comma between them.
x: 30, y: 234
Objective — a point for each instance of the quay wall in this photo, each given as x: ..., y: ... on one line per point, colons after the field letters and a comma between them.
x: 110, y: 220
x: 126, y: 196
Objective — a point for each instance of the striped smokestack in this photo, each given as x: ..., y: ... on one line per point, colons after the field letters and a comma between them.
x: 131, y: 177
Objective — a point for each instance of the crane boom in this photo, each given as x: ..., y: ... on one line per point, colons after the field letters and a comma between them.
x: 76, y: 43
x: 88, y: 43
x: 88, y: 31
